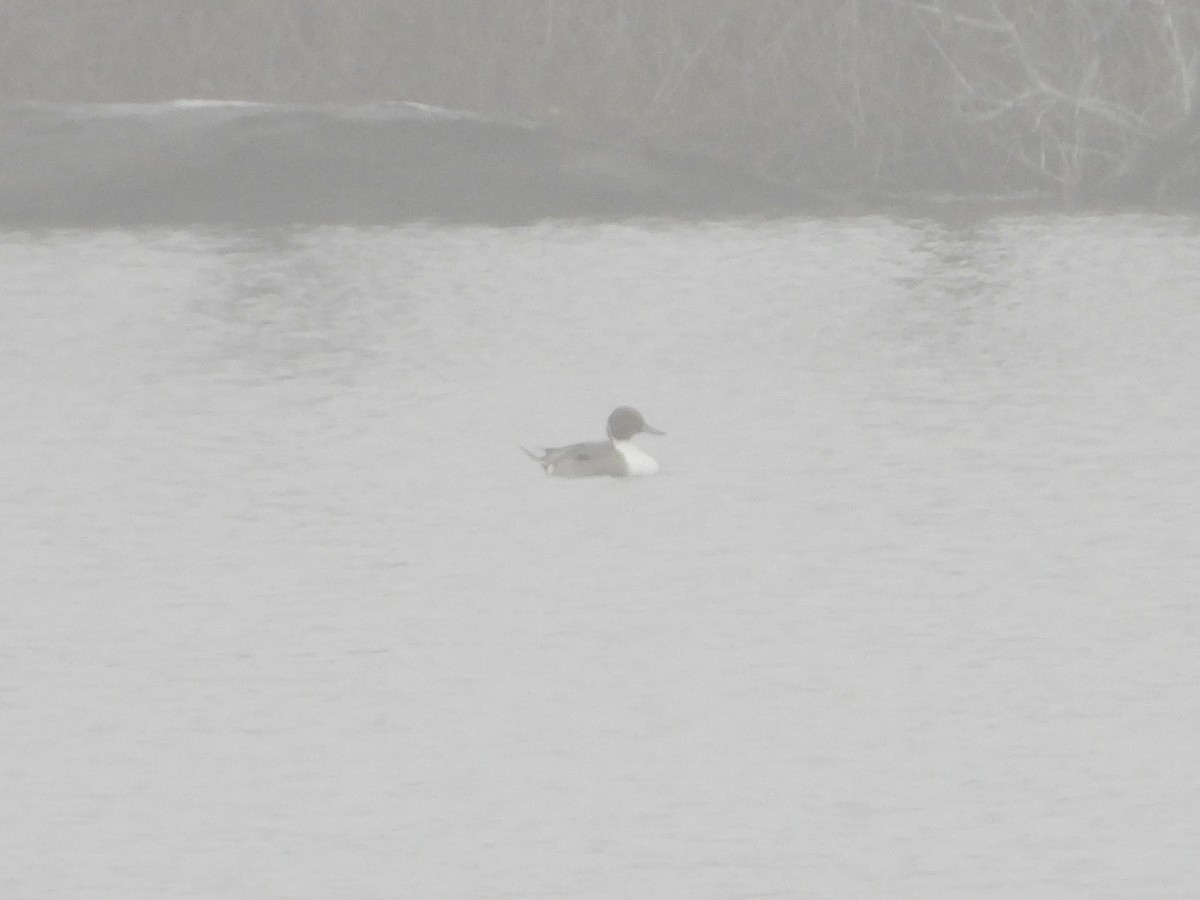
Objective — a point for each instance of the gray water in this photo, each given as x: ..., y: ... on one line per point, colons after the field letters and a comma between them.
x: 911, y: 611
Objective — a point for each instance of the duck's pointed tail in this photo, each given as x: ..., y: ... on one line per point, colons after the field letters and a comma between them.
x: 540, y: 459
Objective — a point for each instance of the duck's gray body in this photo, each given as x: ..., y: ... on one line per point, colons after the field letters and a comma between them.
x: 581, y: 460
x: 617, y: 457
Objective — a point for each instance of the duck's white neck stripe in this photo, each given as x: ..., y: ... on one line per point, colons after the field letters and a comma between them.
x: 637, y: 460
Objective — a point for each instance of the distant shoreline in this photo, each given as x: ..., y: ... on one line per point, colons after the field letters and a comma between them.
x: 196, y: 162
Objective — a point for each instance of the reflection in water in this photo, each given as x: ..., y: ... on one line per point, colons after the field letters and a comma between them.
x: 287, y: 307
x: 957, y: 312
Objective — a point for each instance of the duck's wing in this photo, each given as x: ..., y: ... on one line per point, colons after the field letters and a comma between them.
x: 580, y: 460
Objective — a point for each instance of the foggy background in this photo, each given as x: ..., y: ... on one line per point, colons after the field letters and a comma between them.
x: 1077, y: 99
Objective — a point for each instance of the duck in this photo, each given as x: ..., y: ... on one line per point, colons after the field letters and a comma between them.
x: 618, y: 457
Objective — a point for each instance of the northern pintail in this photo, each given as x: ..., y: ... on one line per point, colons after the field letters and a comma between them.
x: 618, y: 456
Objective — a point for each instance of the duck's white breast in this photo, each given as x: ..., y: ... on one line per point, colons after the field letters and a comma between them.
x: 637, y: 460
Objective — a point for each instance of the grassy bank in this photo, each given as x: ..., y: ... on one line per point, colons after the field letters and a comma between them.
x: 1065, y: 98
